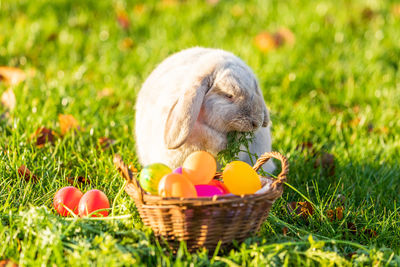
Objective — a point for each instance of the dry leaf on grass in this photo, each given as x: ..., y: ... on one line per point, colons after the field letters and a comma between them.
x: 123, y: 19
x: 105, y: 142
x: 139, y: 9
x: 369, y: 233
x: 307, y: 148
x: 42, y: 136
x: 284, y: 36
x: 213, y: 2
x: 336, y: 214
x: 368, y: 14
x: 285, y: 230
x: 26, y: 174
x: 396, y: 10
x: 11, y: 76
x: 265, y: 42
x: 303, y: 208
x: 67, y: 123
x: 125, y: 44
x: 8, y: 263
x: 79, y: 179
x: 106, y: 92
x: 327, y: 162
x: 169, y: 3
x: 8, y: 99
x: 352, y: 228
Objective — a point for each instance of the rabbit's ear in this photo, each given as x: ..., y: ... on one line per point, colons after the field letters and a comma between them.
x: 267, y: 119
x: 183, y: 114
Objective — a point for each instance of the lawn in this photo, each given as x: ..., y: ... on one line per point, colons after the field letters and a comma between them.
x: 333, y: 91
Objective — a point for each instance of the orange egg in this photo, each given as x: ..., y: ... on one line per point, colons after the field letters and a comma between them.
x: 240, y: 178
x: 199, y: 167
x: 176, y: 185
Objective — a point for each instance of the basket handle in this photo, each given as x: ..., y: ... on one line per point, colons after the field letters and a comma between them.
x: 282, y: 177
x: 128, y: 175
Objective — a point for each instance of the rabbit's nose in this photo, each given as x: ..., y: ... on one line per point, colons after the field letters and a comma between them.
x: 254, y: 124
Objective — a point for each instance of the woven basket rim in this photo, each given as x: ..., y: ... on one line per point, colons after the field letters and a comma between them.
x: 272, y: 194
x: 275, y: 190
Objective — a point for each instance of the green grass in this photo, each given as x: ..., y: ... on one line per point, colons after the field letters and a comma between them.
x: 343, y: 67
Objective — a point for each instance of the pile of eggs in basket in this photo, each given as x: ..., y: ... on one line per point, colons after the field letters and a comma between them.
x: 195, y: 178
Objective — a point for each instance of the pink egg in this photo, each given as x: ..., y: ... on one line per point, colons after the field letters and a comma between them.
x: 178, y: 170
x: 205, y: 190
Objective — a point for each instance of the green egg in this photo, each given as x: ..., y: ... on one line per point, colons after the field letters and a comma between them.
x: 151, y: 175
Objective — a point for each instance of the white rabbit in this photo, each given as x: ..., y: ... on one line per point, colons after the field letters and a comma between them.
x: 192, y: 100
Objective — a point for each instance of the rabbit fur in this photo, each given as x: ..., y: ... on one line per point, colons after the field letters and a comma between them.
x: 192, y: 100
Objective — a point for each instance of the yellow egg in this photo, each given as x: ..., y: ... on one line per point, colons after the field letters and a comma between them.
x: 240, y: 178
x: 199, y: 167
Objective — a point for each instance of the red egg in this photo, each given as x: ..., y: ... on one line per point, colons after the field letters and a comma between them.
x: 92, y: 201
x: 67, y: 197
x: 220, y: 185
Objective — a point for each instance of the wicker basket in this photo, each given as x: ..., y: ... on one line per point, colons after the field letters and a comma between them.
x: 206, y: 221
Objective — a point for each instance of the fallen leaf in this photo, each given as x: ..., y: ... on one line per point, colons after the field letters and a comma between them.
x: 284, y: 36
x: 125, y: 44
x: 351, y: 254
x: 8, y: 99
x: 105, y: 142
x: 307, y: 148
x: 336, y: 214
x: 327, y: 162
x: 79, y: 179
x: 213, y: 2
x: 67, y: 123
x: 42, y: 136
x: 26, y: 174
x: 8, y: 263
x: 368, y: 14
x: 369, y: 233
x: 11, y: 76
x: 52, y: 37
x: 106, y: 92
x: 355, y: 122
x: 370, y: 127
x: 284, y: 231
x: 139, y: 9
x: 304, y: 208
x: 351, y: 227
x: 384, y: 130
x: 396, y: 10
x: 356, y: 109
x: 339, y: 213
x: 265, y: 42
x: 123, y: 19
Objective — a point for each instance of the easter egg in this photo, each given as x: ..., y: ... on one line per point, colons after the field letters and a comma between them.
x: 151, y: 175
x: 178, y: 170
x: 200, y: 167
x: 220, y: 185
x: 205, y: 190
x: 240, y: 178
x: 176, y: 185
x: 92, y: 201
x: 67, y: 197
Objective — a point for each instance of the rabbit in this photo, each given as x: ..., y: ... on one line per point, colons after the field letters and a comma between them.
x: 192, y: 100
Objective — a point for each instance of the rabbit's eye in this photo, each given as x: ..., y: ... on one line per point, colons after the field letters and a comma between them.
x: 229, y: 96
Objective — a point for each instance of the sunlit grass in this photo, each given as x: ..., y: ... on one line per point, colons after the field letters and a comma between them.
x: 337, y: 86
